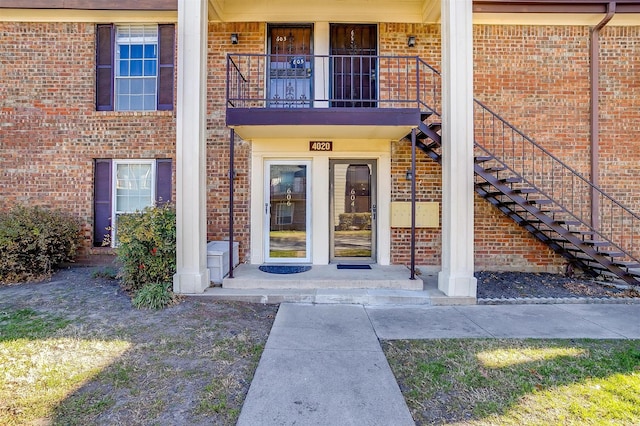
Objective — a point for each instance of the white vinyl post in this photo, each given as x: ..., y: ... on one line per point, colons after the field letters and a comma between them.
x: 456, y: 277
x: 192, y: 275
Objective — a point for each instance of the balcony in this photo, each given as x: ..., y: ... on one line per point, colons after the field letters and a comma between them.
x: 321, y: 96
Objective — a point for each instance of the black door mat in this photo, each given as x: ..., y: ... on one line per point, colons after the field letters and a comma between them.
x: 354, y: 266
x: 284, y: 269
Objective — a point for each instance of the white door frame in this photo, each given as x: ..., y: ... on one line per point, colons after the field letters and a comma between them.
x: 268, y: 209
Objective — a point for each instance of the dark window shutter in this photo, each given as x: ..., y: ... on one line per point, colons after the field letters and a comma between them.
x: 105, y: 41
x: 101, y: 200
x: 166, y: 49
x: 163, y: 181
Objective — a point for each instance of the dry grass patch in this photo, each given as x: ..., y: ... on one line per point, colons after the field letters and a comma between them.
x: 74, y: 351
x: 519, y: 382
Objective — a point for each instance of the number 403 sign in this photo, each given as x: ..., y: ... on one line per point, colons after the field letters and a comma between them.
x: 320, y: 146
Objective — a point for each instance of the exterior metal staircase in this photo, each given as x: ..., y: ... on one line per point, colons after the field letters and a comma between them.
x: 545, y: 196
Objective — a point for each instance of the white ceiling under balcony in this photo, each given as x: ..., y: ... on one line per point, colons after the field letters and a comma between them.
x: 409, y: 11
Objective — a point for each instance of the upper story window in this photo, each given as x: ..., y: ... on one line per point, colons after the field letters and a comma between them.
x: 135, y: 67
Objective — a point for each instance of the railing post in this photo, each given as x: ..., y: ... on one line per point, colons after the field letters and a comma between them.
x: 418, y: 97
x: 413, y: 204
x: 228, y: 80
x: 231, y: 176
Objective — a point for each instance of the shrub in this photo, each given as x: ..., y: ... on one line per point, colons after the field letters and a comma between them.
x: 354, y: 221
x: 154, y: 296
x: 34, y: 241
x: 147, y: 247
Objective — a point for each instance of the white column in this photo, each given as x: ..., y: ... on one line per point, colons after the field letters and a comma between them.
x: 321, y: 77
x: 192, y: 275
x: 456, y: 277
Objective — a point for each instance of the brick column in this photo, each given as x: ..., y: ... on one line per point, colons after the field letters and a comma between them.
x: 456, y: 277
x: 192, y: 275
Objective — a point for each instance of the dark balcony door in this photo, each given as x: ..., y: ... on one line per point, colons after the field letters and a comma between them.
x: 354, y: 48
x: 290, y: 66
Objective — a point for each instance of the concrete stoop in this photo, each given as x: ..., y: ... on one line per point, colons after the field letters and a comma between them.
x: 382, y: 285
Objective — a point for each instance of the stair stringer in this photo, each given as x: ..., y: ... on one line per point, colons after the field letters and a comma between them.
x: 564, y: 241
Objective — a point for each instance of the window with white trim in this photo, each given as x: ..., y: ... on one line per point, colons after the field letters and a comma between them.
x: 133, y: 188
x: 105, y: 189
x: 136, y: 67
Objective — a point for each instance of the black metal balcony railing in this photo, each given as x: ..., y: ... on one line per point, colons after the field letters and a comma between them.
x: 322, y: 81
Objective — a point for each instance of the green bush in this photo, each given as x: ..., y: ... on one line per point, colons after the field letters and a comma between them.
x: 354, y: 221
x: 147, y: 247
x: 34, y: 241
x: 154, y: 296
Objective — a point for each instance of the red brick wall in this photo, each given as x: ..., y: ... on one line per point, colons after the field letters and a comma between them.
x: 499, y: 243
x: 251, y: 37
x: 620, y: 113
x: 537, y: 78
x: 50, y: 132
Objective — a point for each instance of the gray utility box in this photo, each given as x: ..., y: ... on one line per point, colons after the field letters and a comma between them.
x: 218, y: 259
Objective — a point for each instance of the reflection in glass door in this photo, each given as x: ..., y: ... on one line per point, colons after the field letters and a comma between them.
x: 287, y: 211
x: 353, y: 210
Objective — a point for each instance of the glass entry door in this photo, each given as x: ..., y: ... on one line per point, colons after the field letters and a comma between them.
x: 287, y: 211
x: 353, y: 210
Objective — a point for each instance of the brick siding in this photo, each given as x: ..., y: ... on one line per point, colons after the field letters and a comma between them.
x: 535, y: 77
x: 50, y: 132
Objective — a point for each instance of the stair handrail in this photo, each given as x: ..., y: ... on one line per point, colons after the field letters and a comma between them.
x: 428, y: 99
x: 609, y: 234
x: 425, y: 72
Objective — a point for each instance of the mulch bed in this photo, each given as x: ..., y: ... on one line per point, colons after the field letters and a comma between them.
x: 510, y: 285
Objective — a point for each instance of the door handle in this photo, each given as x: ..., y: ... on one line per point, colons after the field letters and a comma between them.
x: 374, y: 211
x: 266, y: 208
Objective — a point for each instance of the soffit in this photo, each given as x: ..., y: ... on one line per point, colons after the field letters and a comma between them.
x: 409, y: 11
x: 553, y: 12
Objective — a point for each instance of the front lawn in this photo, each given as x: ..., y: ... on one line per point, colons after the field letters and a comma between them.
x: 519, y: 382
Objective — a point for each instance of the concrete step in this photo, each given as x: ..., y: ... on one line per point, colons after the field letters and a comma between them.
x: 427, y: 295
x: 324, y: 277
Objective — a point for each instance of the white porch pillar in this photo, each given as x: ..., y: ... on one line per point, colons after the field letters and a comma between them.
x: 192, y: 275
x: 456, y: 277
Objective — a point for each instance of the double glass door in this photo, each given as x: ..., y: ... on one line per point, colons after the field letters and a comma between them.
x: 352, y: 211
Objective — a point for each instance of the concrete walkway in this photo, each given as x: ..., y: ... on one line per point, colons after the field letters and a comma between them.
x: 323, y: 365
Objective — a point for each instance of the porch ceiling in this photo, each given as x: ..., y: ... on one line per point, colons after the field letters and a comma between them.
x: 513, y: 12
x: 409, y: 11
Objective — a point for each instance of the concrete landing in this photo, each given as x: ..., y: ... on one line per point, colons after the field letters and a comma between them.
x: 428, y: 293
x: 324, y: 276
x: 323, y: 365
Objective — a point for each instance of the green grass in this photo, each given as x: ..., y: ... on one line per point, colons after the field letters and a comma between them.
x: 27, y: 324
x: 40, y: 367
x: 519, y: 382
x: 287, y: 253
x: 107, y: 272
x: 353, y: 253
